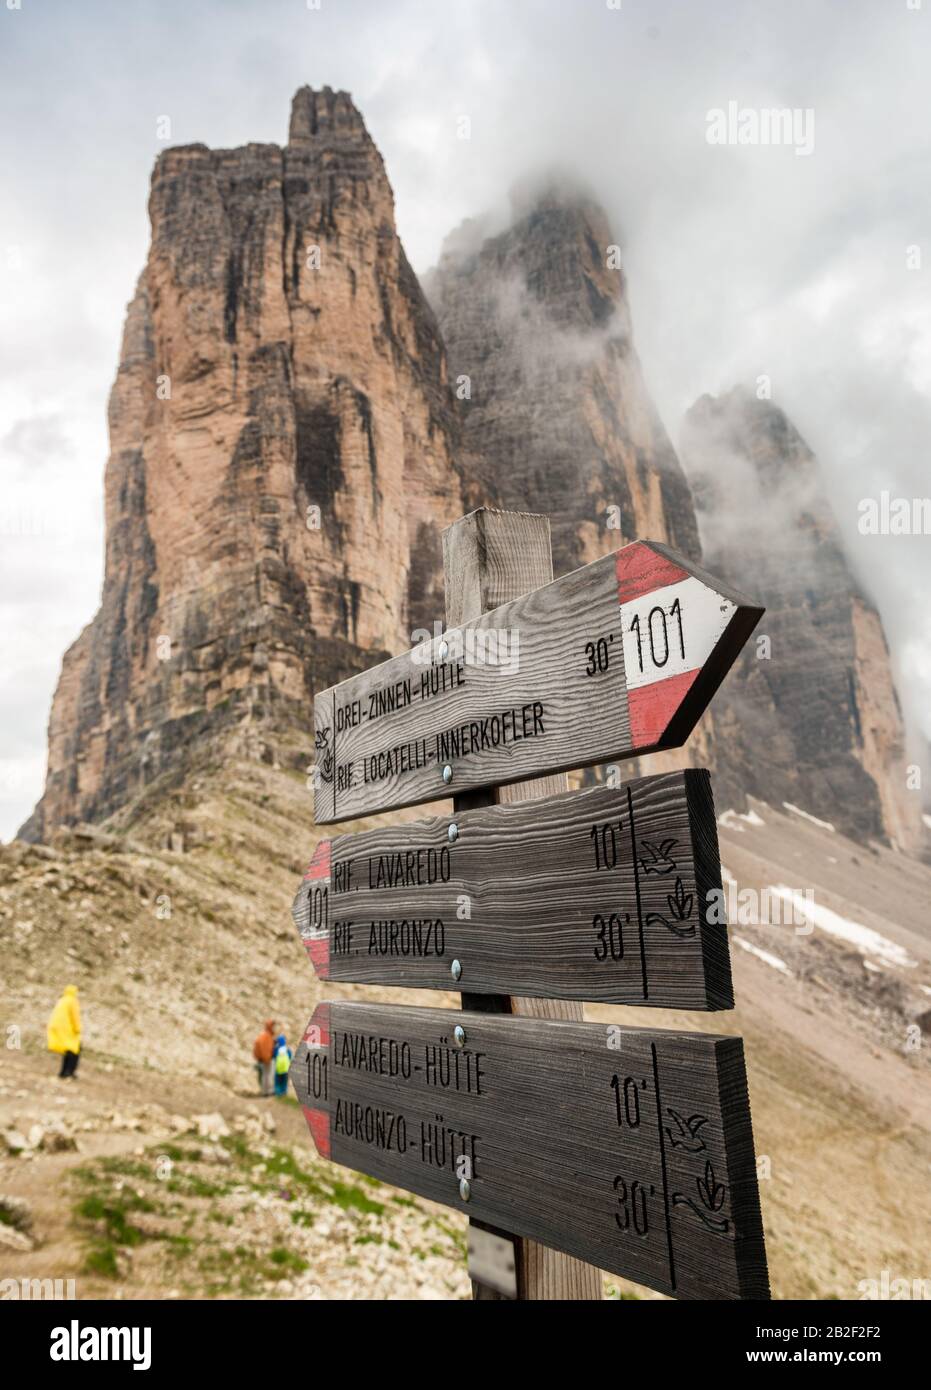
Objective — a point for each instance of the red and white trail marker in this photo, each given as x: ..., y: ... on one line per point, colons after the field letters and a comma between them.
x: 672, y: 621
x: 628, y: 1150
x: 614, y: 660
x: 608, y: 897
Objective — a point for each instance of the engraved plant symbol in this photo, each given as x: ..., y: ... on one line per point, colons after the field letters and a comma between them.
x: 324, y: 753
x: 656, y: 859
x: 712, y: 1194
x: 680, y: 908
x: 686, y: 1135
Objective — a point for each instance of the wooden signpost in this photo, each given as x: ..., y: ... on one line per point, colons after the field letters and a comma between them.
x: 628, y: 1148
x: 572, y: 1147
x: 598, y: 895
x: 492, y: 558
x: 615, y: 659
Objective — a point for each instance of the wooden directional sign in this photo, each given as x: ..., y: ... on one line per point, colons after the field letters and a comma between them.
x: 598, y: 895
x: 616, y: 659
x: 628, y: 1148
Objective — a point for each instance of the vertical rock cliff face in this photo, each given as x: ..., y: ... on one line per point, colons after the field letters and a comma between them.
x: 285, y: 447
x: 555, y: 416
x: 558, y: 419
x: 814, y: 720
x: 281, y: 459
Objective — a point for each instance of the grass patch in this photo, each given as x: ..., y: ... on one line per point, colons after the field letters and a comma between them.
x: 127, y: 1168
x: 286, y: 1262
x: 179, y: 1245
x: 101, y: 1260
x: 113, y: 1213
x: 85, y: 1175
x: 242, y: 1268
x: 112, y: 1193
x: 179, y: 1155
x: 351, y: 1198
x: 190, y: 1185
x: 457, y: 1237
x: 240, y: 1149
x: 282, y: 1164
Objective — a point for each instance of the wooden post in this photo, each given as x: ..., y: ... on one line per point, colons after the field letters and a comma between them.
x: 535, y: 1147
x: 491, y: 558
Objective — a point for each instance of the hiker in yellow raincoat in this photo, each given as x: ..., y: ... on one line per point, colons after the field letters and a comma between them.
x: 64, y: 1030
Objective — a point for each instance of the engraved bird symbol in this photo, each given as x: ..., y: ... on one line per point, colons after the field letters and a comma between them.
x: 686, y: 1135
x: 656, y: 859
x: 324, y: 753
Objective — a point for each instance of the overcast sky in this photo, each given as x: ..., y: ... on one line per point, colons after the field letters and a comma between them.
x: 742, y: 259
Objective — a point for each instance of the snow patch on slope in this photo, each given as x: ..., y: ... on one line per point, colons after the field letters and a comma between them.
x: 775, y: 961
x: 864, y: 939
x: 728, y: 820
x: 806, y: 815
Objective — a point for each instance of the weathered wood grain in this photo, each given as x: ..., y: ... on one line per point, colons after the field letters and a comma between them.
x: 628, y: 1148
x: 600, y: 895
x: 493, y: 1261
x: 493, y: 557
x: 614, y: 660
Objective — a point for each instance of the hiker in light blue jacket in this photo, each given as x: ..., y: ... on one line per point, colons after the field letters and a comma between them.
x: 282, y: 1062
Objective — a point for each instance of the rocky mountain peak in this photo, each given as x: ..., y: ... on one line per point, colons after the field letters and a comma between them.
x: 558, y: 247
x: 289, y: 433
x: 810, y: 714
x: 281, y: 465
x: 317, y: 116
x: 554, y: 411
x: 759, y: 431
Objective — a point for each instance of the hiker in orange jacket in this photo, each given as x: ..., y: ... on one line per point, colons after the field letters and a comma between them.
x: 64, y: 1031
x: 263, y: 1050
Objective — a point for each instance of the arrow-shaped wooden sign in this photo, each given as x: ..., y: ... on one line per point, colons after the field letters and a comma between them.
x: 614, y: 660
x: 598, y: 895
x: 628, y: 1148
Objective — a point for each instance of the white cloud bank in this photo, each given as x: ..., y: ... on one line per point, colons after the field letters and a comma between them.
x: 741, y: 259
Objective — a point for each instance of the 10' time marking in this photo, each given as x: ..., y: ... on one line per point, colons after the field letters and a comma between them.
x: 632, y: 1213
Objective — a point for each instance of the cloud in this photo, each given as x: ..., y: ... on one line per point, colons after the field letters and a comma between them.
x: 36, y: 441
x: 739, y: 259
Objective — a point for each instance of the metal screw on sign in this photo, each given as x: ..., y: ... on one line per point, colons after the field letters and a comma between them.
x: 621, y: 659
x: 652, y: 638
